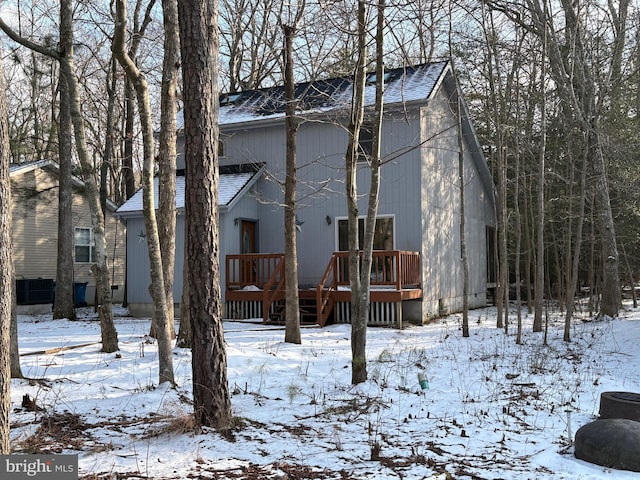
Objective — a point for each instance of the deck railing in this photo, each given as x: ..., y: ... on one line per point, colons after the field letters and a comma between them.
x: 252, y: 269
x: 393, y: 269
x: 264, y: 271
x: 389, y: 268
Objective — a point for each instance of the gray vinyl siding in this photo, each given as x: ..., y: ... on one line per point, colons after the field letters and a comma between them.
x: 441, y: 259
x: 138, y: 268
x: 321, y: 148
x: 138, y: 271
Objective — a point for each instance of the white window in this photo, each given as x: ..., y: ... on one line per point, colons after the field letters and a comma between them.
x: 85, y: 248
x: 383, y: 238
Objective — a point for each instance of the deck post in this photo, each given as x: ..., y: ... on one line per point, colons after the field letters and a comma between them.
x: 399, y: 314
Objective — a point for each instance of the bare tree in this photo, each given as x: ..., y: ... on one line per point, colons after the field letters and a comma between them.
x: 577, y: 86
x: 463, y: 239
x: 140, y: 25
x: 250, y: 41
x: 292, y: 312
x: 160, y: 316
x: 63, y: 306
x: 360, y: 262
x: 540, y: 257
x: 167, y: 152
x: 199, y: 44
x: 6, y: 276
x: 358, y: 318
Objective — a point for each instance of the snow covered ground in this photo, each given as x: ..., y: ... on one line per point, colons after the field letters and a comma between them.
x: 493, y: 409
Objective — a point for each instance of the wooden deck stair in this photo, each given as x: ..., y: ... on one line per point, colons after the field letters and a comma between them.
x: 308, y: 310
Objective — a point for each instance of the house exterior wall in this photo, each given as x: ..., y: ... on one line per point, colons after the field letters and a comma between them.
x: 138, y: 271
x: 321, y: 173
x: 138, y: 267
x: 35, y: 232
x: 440, y: 198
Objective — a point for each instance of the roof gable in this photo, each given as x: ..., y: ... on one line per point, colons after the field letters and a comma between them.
x: 16, y: 169
x: 233, y: 182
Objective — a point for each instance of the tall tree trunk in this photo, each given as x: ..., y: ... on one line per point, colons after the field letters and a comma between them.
x: 103, y: 283
x: 358, y: 326
x: 128, y: 172
x: 292, y: 312
x: 539, y: 273
x: 456, y: 109
x: 167, y: 154
x: 528, y: 247
x: 106, y: 187
x: 6, y: 275
x: 610, y: 297
x: 518, y: 233
x: 374, y: 192
x: 199, y: 44
x: 63, y: 306
x: 160, y: 316
x: 575, y: 265
x: 138, y: 31
x: 497, y: 114
x: 463, y: 238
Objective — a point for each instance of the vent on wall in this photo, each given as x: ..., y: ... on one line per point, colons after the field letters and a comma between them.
x: 34, y: 291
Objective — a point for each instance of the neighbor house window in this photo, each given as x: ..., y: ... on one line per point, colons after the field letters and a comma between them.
x: 382, y: 237
x: 85, y: 248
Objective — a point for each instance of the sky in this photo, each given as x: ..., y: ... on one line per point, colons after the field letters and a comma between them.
x: 491, y: 410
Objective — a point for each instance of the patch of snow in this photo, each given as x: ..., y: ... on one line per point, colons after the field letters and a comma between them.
x: 493, y: 409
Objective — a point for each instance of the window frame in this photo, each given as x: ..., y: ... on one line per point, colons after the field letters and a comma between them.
x: 91, y: 245
x: 361, y: 219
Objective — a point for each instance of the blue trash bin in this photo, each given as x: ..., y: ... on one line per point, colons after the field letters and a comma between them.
x: 79, y: 294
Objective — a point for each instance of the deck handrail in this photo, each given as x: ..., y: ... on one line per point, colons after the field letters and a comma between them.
x: 248, y: 269
x: 265, y: 271
x: 273, y: 292
x: 396, y: 268
x: 324, y: 293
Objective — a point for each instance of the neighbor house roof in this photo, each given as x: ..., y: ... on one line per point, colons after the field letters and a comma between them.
x: 21, y: 168
x: 233, y: 182
x: 402, y: 85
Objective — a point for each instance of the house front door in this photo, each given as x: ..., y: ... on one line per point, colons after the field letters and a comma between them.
x: 248, y: 245
x: 248, y: 237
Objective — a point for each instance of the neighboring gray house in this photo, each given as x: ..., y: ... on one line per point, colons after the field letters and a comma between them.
x: 417, y: 269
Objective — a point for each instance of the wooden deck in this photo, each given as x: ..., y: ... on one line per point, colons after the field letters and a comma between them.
x: 256, y: 285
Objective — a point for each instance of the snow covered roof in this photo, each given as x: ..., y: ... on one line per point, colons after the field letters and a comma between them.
x: 402, y: 85
x: 26, y: 167
x: 233, y: 181
x: 15, y: 168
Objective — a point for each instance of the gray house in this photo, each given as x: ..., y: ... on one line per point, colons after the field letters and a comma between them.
x: 417, y: 272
